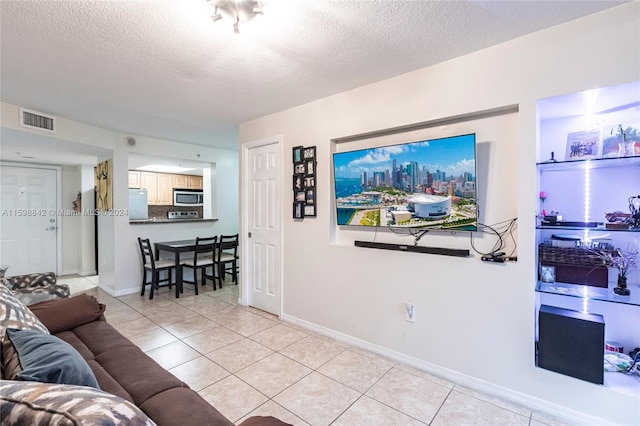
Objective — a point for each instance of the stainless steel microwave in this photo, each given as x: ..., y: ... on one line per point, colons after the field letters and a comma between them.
x: 188, y: 197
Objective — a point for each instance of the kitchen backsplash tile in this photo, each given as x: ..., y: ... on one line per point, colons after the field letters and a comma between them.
x: 160, y: 212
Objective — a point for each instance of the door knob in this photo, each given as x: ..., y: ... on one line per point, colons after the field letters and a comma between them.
x: 51, y: 228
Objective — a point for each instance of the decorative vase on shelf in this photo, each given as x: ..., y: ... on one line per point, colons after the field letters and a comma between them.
x: 626, y: 148
x: 622, y: 289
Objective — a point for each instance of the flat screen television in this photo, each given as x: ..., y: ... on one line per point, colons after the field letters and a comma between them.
x: 428, y: 184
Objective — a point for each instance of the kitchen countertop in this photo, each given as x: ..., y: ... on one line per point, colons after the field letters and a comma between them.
x: 163, y: 221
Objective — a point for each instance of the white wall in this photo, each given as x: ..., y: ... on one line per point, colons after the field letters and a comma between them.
x: 475, y: 321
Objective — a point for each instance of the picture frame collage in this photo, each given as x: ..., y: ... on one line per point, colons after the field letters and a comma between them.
x: 304, y: 182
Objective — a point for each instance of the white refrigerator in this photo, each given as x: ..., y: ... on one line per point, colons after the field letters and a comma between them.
x: 138, y: 208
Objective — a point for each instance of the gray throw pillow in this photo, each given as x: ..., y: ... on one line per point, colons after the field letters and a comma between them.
x: 46, y: 358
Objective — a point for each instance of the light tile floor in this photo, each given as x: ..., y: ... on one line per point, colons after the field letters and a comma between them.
x: 247, y: 362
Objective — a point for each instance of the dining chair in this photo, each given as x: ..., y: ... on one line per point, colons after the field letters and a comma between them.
x: 154, y: 267
x: 202, y: 259
x: 227, y: 257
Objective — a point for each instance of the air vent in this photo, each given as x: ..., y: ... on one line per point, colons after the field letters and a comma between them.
x: 37, y: 120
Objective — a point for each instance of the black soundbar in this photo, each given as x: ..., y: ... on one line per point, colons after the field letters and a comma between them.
x: 413, y: 249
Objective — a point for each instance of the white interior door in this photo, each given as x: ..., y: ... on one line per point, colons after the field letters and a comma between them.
x: 28, y: 219
x: 263, y: 227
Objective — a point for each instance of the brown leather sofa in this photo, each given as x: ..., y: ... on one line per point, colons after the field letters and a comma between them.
x: 121, y: 368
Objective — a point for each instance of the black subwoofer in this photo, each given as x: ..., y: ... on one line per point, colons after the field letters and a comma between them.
x: 571, y: 343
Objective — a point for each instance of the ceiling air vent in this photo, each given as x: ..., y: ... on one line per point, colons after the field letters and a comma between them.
x: 37, y: 120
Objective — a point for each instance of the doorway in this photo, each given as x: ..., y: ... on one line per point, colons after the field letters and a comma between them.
x: 29, y: 220
x: 262, y: 224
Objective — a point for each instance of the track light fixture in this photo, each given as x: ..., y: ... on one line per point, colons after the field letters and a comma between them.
x: 236, y: 11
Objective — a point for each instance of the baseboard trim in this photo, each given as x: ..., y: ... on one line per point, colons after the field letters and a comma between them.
x: 120, y: 292
x: 533, y: 403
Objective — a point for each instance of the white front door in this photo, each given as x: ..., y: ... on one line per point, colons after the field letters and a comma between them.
x: 28, y: 219
x: 263, y: 226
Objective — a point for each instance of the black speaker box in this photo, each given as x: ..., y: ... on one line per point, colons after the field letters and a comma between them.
x: 571, y: 343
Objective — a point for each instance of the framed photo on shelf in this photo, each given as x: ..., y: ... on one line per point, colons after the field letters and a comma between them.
x: 300, y: 196
x: 298, y: 210
x: 309, y: 182
x: 298, y: 182
x: 309, y: 152
x: 310, y: 166
x: 583, y: 145
x: 547, y: 274
x: 297, y: 154
x: 299, y: 168
x: 309, y: 210
x: 310, y: 198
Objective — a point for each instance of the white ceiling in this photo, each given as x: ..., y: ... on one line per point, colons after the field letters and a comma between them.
x: 163, y: 69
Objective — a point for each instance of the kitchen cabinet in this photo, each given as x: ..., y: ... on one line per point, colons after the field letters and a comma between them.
x: 149, y: 181
x: 187, y: 182
x: 159, y: 188
x: 584, y: 173
x: 195, y: 182
x: 165, y: 189
x: 134, y: 179
x: 180, y: 181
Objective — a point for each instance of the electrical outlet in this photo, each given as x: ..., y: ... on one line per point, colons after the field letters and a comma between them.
x: 410, y: 313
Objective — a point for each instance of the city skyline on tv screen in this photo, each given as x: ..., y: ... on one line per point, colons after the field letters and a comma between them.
x: 424, y: 184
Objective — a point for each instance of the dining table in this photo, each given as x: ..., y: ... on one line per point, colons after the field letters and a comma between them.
x: 177, y: 248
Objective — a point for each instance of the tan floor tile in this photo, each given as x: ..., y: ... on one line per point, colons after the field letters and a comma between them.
x: 233, y: 397
x: 317, y: 399
x: 122, y: 314
x: 171, y: 315
x: 139, y: 302
x: 354, y: 370
x: 190, y: 327
x: 278, y: 337
x: 312, y: 351
x: 495, y: 401
x: 460, y: 410
x: 134, y: 326
x: 153, y: 339
x: 211, y: 308
x: 270, y: 408
x: 199, y: 373
x: 213, y: 339
x: 173, y: 354
x: 374, y: 356
x: 409, y: 394
x: 425, y: 375
x: 367, y: 411
x: 273, y: 374
x: 239, y: 355
x: 250, y: 325
x: 229, y: 315
x: 262, y: 313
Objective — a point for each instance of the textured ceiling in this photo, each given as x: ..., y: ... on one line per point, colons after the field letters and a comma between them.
x: 163, y: 69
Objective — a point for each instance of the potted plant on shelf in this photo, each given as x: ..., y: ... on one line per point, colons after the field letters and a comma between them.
x: 623, y: 261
